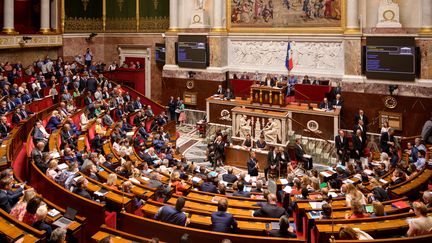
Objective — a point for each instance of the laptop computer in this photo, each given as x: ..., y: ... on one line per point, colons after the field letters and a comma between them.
x: 67, y: 219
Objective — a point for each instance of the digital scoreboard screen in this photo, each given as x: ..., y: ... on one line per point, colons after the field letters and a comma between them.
x: 160, y: 53
x: 390, y: 58
x: 192, y: 51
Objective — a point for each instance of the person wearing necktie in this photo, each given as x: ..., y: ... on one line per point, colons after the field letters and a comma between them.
x: 301, y: 156
x: 341, y: 147
x: 358, y: 145
x: 325, y: 105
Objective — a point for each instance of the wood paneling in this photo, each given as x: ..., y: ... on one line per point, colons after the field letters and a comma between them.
x: 176, y: 87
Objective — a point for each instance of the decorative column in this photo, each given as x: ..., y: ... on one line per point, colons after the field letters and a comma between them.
x: 8, y: 17
x: 45, y: 17
x: 352, y: 18
x: 173, y: 11
x: 426, y: 26
x: 218, y: 15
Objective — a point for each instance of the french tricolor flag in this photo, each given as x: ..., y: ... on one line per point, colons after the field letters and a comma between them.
x: 289, y: 59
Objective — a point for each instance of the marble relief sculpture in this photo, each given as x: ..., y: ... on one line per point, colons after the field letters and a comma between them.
x: 272, y: 131
x: 244, y: 126
x: 199, y: 4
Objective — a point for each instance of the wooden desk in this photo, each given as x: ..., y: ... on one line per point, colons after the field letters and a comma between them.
x: 237, y: 156
x: 411, y: 187
x: 328, y: 122
x: 13, y: 233
x: 268, y: 95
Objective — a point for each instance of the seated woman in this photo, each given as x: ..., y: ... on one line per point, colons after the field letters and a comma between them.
x: 99, y: 127
x: 31, y: 208
x: 136, y: 175
x: 178, y: 184
x: 354, y: 195
x: 357, y: 211
x: 111, y: 181
x: 19, y: 209
x: 54, y: 121
x: 378, y: 209
x: 248, y: 142
x: 52, y: 170
x: 422, y: 224
x: 261, y: 143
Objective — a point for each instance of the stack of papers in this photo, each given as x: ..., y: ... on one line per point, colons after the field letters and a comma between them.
x: 316, y: 205
x: 62, y: 166
x: 53, y: 212
x: 368, y: 172
x: 325, y: 174
x: 348, y: 181
x: 196, y: 179
x: 287, y: 189
x: 383, y: 181
x: 101, y: 192
x: 284, y: 181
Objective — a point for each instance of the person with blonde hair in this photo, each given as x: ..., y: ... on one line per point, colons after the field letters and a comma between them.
x: 378, y: 209
x: 99, y: 127
x: 352, y: 194
x: 112, y: 181
x: 349, y: 233
x: 19, y: 209
x: 52, y: 170
x: 40, y: 224
x: 178, y: 184
x: 422, y: 224
x: 54, y: 121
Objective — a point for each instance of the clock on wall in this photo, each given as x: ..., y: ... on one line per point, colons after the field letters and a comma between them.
x: 196, y: 19
x: 390, y: 102
x: 389, y: 15
x: 190, y: 84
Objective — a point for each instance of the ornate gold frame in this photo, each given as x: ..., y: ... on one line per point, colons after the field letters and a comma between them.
x: 340, y: 29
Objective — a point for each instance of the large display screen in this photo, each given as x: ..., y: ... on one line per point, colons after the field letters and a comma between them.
x: 192, y: 51
x: 390, y: 58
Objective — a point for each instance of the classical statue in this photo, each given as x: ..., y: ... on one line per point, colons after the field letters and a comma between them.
x: 244, y: 126
x: 199, y: 4
x: 272, y: 130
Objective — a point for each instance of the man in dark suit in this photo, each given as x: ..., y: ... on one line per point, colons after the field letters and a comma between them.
x: 283, y: 159
x: 230, y: 177
x: 338, y: 102
x: 252, y: 164
x: 360, y: 126
x: 172, y: 105
x: 270, y: 209
x: 24, y: 112
x: 220, y: 90
x: 8, y: 198
x: 240, y: 191
x: 284, y: 229
x: 81, y: 188
x: 137, y: 104
x: 341, y: 147
x: 219, y: 150
x: 92, y: 84
x: 358, y: 143
x: 221, y: 220
x: 68, y: 136
x: 4, y: 127
x: 208, y: 185
x: 16, y: 117
x: 38, y: 156
x: 387, y: 140
x: 271, y: 161
x: 301, y: 156
x: 361, y: 116
x: 40, y: 224
x: 88, y: 100
x: 173, y: 215
x: 306, y: 80
x: 229, y: 95
x: 326, y: 105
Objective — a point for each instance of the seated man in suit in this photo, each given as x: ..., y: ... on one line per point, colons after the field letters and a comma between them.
x: 387, y: 140
x: 39, y: 133
x: 220, y: 90
x: 326, y: 105
x: 68, y: 136
x: 270, y: 209
x: 301, y: 156
x: 271, y: 161
x: 149, y: 112
x: 173, y: 215
x: 38, y: 156
x: 230, y: 177
x: 4, y: 127
x: 240, y: 190
x: 208, y: 185
x: 16, y: 117
x: 341, y: 147
x: 9, y: 198
x: 338, y: 102
x: 40, y: 224
x: 252, y: 164
x: 221, y: 220
x: 81, y: 188
x: 229, y: 95
x: 284, y: 229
